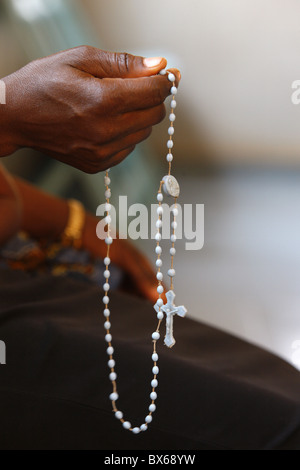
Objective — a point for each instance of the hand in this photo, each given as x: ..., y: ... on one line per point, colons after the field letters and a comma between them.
x: 84, y: 106
x: 138, y: 270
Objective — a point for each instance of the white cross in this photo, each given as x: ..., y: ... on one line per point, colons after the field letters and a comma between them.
x: 170, y: 309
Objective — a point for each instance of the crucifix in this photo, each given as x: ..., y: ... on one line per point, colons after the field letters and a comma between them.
x: 170, y: 310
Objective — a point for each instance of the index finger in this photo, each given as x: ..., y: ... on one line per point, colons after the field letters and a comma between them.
x: 132, y: 94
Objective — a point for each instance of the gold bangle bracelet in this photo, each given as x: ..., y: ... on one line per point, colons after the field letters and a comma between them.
x: 72, y: 235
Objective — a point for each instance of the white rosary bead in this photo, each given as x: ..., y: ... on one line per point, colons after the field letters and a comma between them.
x: 111, y: 363
x: 158, y: 223
x: 153, y: 395
x: 155, y: 335
x: 148, y: 419
x: 107, y: 194
x: 106, y: 312
x: 171, y: 130
x: 155, y: 370
x: 107, y: 325
x: 112, y: 376
x: 174, y: 90
x: 113, y: 396
x: 160, y: 315
x: 172, y: 251
x: 173, y: 104
x: 105, y: 299
x: 159, y: 210
x: 136, y: 430
x: 160, y: 289
x: 108, y: 338
x: 158, y: 263
x: 126, y: 425
x: 172, y: 117
x: 158, y: 250
x: 152, y: 408
x: 158, y: 237
x: 110, y: 350
x: 106, y: 260
x: 106, y: 287
x: 160, y: 197
x: 159, y: 276
x: 144, y: 427
x: 173, y: 238
x: 106, y: 180
x: 107, y: 220
x: 170, y: 144
x: 154, y: 357
x: 174, y: 225
x: 171, y: 77
x: 169, y: 157
x: 108, y: 240
x: 107, y: 207
x: 154, y: 383
x: 162, y: 72
x: 119, y: 414
x: 160, y: 302
x: 171, y: 272
x: 106, y: 273
x: 175, y: 211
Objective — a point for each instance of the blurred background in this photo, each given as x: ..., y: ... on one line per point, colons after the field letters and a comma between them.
x: 237, y: 143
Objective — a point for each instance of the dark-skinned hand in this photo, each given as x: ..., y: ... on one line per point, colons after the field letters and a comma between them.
x: 84, y: 106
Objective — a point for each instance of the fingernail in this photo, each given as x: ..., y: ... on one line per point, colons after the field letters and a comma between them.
x: 152, y: 61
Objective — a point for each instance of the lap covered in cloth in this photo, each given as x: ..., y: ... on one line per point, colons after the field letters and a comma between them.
x: 215, y: 391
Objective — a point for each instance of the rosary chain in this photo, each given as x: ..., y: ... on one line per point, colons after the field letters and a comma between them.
x: 160, y: 289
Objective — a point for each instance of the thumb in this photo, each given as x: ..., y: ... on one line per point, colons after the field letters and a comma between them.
x: 103, y: 64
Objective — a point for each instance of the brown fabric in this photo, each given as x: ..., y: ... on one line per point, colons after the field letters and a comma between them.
x: 215, y: 391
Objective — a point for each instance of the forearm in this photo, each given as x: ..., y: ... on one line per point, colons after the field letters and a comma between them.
x: 43, y: 215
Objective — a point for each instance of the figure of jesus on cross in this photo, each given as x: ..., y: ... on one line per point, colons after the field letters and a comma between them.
x: 170, y: 310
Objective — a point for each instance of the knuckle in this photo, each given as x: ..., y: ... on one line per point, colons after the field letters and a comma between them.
x: 122, y: 61
x: 128, y: 151
x: 119, y: 157
x: 149, y: 131
x: 87, y: 158
x: 100, y: 154
x: 84, y: 50
x: 146, y: 133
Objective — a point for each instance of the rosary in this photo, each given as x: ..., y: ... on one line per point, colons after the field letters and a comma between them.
x: 171, y: 188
